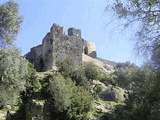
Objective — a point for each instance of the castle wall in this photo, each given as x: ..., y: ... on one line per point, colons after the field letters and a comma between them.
x: 35, y: 57
x: 47, y: 52
x: 57, y: 47
x: 69, y: 48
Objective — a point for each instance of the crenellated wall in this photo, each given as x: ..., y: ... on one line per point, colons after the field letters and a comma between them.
x: 57, y: 47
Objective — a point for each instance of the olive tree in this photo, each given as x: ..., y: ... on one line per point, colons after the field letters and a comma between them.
x: 14, y: 71
x: 10, y: 22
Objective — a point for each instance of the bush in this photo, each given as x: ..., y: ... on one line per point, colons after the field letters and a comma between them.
x: 96, y: 90
x: 81, y: 104
x: 143, y: 101
x: 76, y: 73
x: 91, y: 71
x: 125, y: 74
x: 79, y: 77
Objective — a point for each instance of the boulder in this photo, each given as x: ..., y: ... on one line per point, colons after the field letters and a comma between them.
x: 112, y: 94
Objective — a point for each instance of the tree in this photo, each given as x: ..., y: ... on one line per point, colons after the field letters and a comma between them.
x: 143, y: 100
x: 66, y: 101
x: 147, y: 13
x: 10, y: 22
x: 156, y: 56
x: 14, y: 72
x: 126, y: 74
x: 61, y: 92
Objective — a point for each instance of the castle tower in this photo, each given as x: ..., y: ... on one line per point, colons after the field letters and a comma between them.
x: 56, y: 29
x: 90, y: 49
x: 59, y: 47
x: 74, y: 32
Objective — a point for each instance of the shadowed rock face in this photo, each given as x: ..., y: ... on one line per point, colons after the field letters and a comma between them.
x: 112, y: 94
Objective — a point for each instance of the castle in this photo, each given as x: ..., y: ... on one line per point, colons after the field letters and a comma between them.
x: 57, y: 47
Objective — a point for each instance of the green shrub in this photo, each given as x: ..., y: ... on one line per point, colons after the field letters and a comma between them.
x: 81, y: 104
x: 104, y: 77
x: 33, y: 83
x: 79, y: 77
x: 125, y: 74
x: 61, y: 92
x: 91, y: 71
x: 76, y: 73
x: 97, y: 89
x: 67, y: 101
x: 65, y: 68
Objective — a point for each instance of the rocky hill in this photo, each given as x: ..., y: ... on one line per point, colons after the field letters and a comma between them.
x: 67, y: 81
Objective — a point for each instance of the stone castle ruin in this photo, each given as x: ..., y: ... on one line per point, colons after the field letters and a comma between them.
x: 57, y: 47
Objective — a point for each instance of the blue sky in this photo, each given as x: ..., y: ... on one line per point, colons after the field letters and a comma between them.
x: 96, y: 24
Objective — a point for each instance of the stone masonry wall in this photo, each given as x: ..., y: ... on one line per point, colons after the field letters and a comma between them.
x: 57, y: 47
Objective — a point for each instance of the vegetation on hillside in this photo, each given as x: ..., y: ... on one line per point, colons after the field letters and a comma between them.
x: 143, y: 97
x: 86, y: 91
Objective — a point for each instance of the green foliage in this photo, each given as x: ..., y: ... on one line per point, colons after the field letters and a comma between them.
x: 76, y: 73
x: 61, y: 92
x: 81, y: 104
x: 143, y: 101
x: 145, y: 13
x: 79, y: 77
x: 97, y: 89
x: 14, y: 73
x: 33, y: 84
x: 104, y: 77
x: 82, y: 74
x: 9, y: 22
x: 126, y: 74
x: 65, y: 68
x: 66, y: 101
x: 156, y: 55
x: 91, y: 71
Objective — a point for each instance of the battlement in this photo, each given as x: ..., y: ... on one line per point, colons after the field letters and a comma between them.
x: 56, y: 29
x: 74, y: 32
